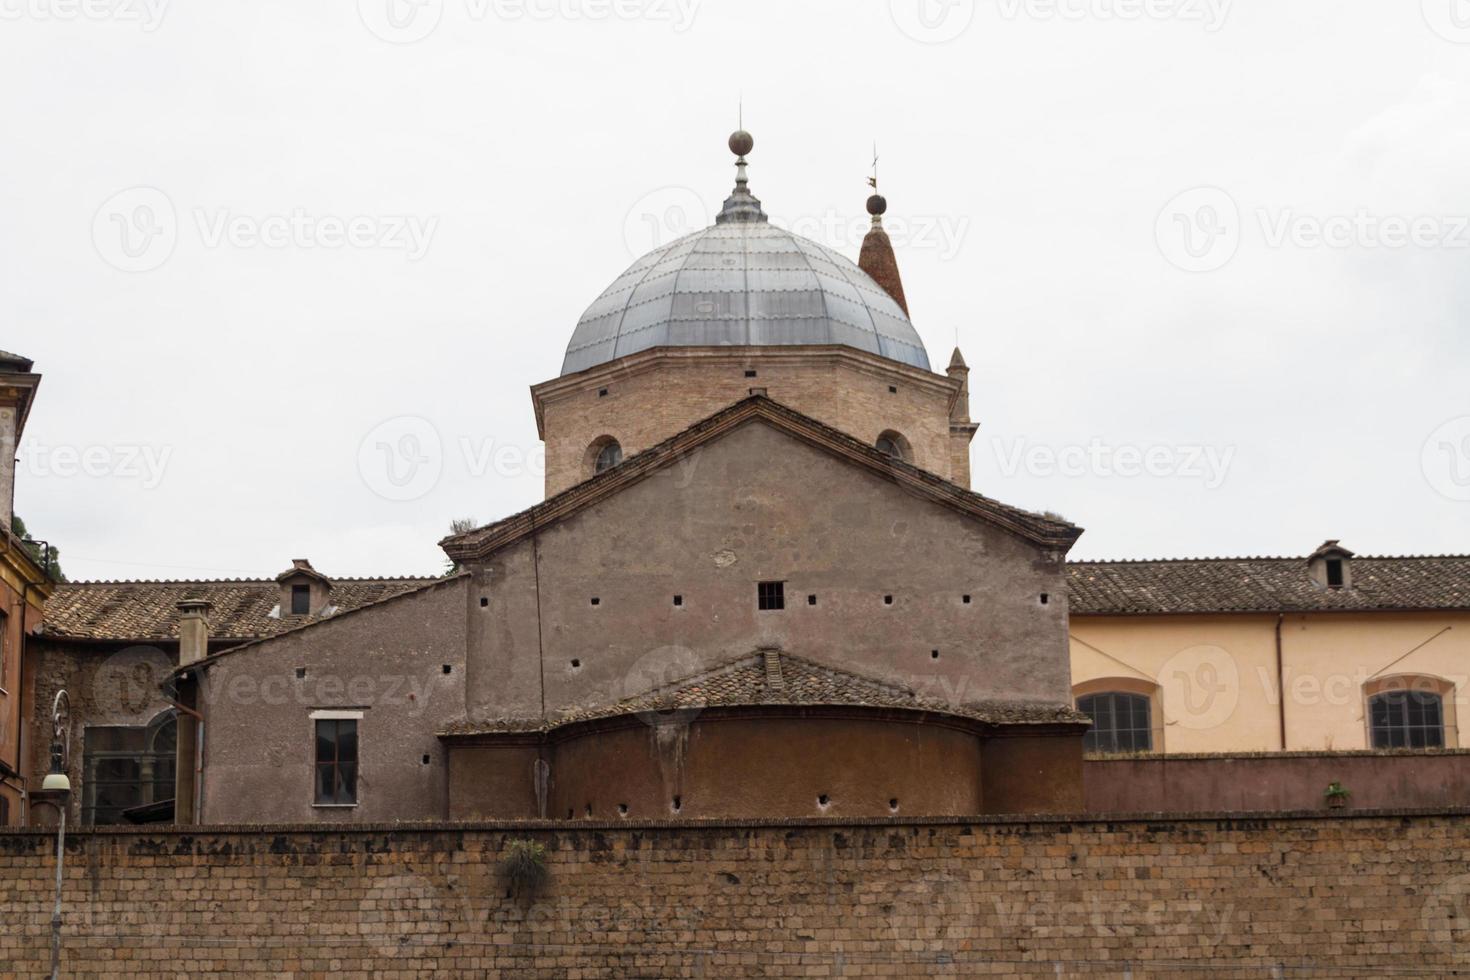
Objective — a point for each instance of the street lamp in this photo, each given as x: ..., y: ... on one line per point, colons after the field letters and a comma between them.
x: 57, y: 781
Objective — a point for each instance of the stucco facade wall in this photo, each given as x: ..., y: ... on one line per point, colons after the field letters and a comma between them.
x: 757, y: 505
x: 1275, y: 782
x: 1218, y: 675
x: 653, y: 397
x: 388, y: 661
x: 1167, y: 897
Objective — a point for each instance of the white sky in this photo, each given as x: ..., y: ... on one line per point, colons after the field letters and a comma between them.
x: 533, y: 140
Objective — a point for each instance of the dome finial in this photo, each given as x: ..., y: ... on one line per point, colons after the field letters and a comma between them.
x: 741, y: 205
x: 877, y: 203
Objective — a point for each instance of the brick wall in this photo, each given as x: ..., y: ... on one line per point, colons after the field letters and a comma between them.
x: 1304, y: 895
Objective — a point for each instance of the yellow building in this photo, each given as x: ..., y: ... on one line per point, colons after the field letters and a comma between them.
x: 1190, y: 656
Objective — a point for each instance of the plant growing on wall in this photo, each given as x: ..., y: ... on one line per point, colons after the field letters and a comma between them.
x: 1336, y: 795
x: 524, y: 867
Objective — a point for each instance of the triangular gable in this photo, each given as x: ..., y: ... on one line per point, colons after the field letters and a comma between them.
x: 1035, y: 528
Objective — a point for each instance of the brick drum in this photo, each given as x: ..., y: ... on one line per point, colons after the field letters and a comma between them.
x: 1287, y: 896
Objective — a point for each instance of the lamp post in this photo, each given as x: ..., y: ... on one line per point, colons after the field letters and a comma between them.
x: 57, y: 781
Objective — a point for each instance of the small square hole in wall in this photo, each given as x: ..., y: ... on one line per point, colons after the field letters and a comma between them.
x: 1045, y: 599
x: 622, y: 809
x: 576, y: 664
x: 484, y: 601
x: 965, y: 599
x: 426, y: 760
x: 893, y: 389
x: 678, y: 600
x: 888, y: 600
x: 300, y: 672
x: 448, y: 669
x: 893, y: 805
x: 749, y: 373
x: 811, y: 600
x: 678, y: 803
x: 824, y: 801
x: 596, y: 601
x: 601, y: 392
x: 933, y: 654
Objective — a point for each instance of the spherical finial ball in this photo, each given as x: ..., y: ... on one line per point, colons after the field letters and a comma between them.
x: 741, y: 142
x: 877, y: 204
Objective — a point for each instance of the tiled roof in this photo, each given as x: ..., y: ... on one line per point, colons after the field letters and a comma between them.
x: 148, y: 611
x: 774, y: 678
x: 1229, y: 585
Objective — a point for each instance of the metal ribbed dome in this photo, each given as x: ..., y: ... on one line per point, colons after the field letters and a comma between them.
x: 742, y: 283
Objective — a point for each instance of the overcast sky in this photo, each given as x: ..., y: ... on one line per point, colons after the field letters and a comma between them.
x: 1208, y: 260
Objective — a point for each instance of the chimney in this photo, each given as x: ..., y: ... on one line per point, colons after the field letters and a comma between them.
x: 17, y: 390
x: 877, y: 258
x: 961, y: 429
x: 193, y: 631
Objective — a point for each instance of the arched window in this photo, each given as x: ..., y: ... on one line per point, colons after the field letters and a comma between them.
x: 893, y: 444
x: 127, y: 767
x: 603, y: 454
x: 1406, y: 719
x: 1121, y: 722
x: 610, y: 456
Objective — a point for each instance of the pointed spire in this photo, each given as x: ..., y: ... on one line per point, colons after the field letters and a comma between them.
x: 877, y: 258
x: 957, y: 361
x: 741, y: 205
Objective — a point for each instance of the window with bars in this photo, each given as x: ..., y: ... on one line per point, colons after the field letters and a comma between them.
x: 125, y: 767
x: 1407, y: 720
x: 770, y: 595
x: 1121, y: 722
x: 336, y: 761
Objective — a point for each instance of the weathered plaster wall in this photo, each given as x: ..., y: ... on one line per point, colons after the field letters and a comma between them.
x: 1218, y: 674
x: 389, y: 661
x: 1167, y: 897
x: 651, y: 397
x: 1275, y: 781
x: 753, y: 506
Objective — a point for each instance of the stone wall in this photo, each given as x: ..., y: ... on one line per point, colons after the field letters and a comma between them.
x: 1285, y: 896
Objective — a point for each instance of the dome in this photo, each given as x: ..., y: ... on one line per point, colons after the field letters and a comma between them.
x: 742, y: 283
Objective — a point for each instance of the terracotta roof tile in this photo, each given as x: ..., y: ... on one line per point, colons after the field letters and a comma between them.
x: 773, y: 678
x: 1229, y: 585
x: 148, y: 611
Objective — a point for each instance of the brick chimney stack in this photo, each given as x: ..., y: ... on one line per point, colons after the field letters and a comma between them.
x: 193, y: 631
x: 877, y: 258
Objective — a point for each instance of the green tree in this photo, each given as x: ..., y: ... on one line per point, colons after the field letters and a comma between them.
x: 459, y: 526
x: 49, y: 558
